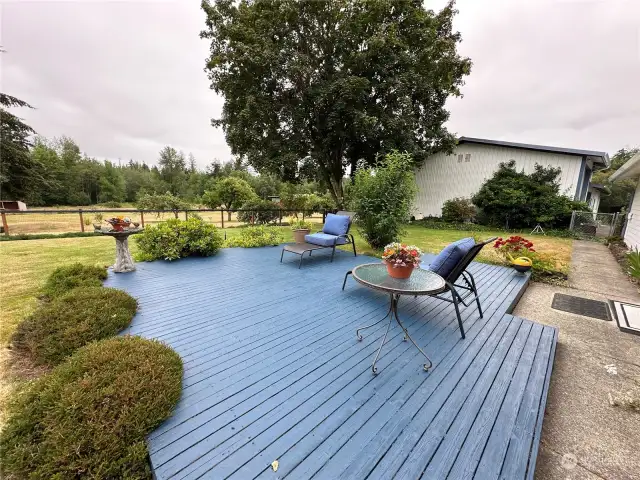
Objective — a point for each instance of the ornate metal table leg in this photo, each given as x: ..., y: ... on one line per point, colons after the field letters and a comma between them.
x: 394, y: 305
x: 384, y: 339
x: 375, y: 323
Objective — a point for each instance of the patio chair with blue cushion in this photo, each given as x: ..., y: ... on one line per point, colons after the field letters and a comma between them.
x: 334, y: 232
x: 451, y: 264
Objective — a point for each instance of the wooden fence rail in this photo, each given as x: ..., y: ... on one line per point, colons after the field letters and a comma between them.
x: 8, y: 215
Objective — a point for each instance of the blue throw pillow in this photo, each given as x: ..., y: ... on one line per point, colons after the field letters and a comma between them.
x: 449, y: 257
x: 336, y: 224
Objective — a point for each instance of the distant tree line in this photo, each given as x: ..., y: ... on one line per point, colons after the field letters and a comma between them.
x: 60, y: 174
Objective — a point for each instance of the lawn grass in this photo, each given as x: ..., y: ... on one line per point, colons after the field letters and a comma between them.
x: 432, y: 241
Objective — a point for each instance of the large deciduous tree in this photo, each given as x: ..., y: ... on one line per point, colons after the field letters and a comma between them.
x: 230, y: 193
x: 335, y: 83
x: 620, y: 192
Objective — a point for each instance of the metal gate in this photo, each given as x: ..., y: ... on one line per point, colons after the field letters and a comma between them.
x: 599, y: 225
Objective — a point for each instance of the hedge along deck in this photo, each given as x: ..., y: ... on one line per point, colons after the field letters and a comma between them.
x: 273, y: 371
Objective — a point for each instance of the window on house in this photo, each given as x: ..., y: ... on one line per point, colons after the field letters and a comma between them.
x: 460, y: 156
x: 467, y: 157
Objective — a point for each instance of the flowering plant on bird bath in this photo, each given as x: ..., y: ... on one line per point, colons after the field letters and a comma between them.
x: 119, y: 223
x: 401, y: 255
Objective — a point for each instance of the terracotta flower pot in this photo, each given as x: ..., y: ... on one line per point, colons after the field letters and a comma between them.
x: 298, y: 235
x: 399, y: 272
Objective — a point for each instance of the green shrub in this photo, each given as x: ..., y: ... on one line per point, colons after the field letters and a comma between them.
x: 175, y: 239
x: 382, y: 198
x: 57, y: 329
x: 166, y: 201
x: 458, y: 210
x: 515, y: 199
x: 89, y: 416
x: 111, y: 204
x: 72, y: 276
x: 633, y: 257
x: 261, y: 236
x: 258, y: 211
x: 314, y: 203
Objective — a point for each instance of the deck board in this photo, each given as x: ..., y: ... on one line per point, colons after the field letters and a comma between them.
x: 272, y: 370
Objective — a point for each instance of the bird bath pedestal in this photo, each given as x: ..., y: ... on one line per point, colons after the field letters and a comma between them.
x: 124, y: 262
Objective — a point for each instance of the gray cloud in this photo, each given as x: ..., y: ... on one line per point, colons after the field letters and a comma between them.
x: 126, y: 78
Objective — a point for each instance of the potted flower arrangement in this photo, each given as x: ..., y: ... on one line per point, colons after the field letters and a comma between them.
x: 516, y: 245
x: 401, y: 259
x: 300, y: 229
x: 119, y: 223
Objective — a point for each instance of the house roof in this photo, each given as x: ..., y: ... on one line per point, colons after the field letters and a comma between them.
x: 598, y: 157
x: 630, y: 169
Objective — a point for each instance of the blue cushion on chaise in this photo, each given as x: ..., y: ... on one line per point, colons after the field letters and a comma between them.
x: 449, y: 257
x: 336, y: 224
x: 324, y: 239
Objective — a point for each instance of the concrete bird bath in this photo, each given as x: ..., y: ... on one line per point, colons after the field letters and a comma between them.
x: 124, y: 262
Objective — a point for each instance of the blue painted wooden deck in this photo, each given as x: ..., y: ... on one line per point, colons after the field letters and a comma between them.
x: 273, y: 371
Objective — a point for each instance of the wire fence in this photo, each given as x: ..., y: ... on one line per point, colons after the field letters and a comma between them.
x: 597, y: 225
x: 52, y: 221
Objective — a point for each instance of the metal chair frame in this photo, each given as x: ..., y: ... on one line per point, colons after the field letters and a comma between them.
x: 469, y: 286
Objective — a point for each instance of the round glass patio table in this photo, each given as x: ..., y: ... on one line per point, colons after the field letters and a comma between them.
x: 375, y: 276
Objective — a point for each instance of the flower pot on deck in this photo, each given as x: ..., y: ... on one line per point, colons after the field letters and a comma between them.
x: 298, y: 235
x: 399, y: 272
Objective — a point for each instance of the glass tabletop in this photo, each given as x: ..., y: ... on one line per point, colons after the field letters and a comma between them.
x: 421, y: 282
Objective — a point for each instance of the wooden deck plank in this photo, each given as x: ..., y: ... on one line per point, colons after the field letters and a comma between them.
x: 273, y: 371
x: 366, y: 367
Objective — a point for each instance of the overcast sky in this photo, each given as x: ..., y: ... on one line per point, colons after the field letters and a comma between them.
x: 124, y: 78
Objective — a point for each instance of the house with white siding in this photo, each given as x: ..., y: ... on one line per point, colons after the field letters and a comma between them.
x: 461, y: 174
x: 631, y: 232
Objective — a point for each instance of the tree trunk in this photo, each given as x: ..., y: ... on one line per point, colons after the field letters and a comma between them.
x: 229, y: 215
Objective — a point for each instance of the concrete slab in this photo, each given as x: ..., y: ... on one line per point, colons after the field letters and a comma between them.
x: 594, y: 269
x: 584, y: 436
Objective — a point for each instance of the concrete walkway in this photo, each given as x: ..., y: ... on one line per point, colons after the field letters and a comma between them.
x: 594, y: 269
x: 584, y: 436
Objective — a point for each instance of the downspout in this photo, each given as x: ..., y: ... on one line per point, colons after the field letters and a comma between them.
x: 583, y: 168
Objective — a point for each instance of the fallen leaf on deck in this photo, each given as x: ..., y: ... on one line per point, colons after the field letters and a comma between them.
x: 274, y: 465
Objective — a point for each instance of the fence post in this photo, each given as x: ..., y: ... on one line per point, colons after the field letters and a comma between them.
x: 280, y: 217
x: 81, y: 220
x: 614, y: 224
x: 142, y: 218
x: 222, y: 216
x: 186, y: 214
x: 5, y: 225
x: 573, y: 219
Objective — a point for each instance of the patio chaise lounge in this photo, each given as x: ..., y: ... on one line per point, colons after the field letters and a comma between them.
x: 451, y: 264
x: 335, y: 232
